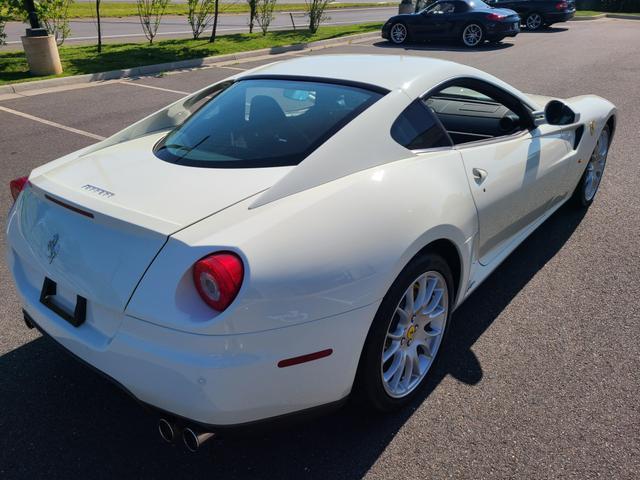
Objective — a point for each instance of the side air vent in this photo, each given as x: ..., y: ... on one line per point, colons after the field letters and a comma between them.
x: 578, y: 137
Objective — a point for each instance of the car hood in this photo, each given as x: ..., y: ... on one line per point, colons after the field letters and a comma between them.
x: 128, y: 182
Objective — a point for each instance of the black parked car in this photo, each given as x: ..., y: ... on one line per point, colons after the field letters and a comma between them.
x: 470, y: 21
x: 536, y: 14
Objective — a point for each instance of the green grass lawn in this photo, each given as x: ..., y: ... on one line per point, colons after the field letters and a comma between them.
x: 127, y: 9
x: 587, y: 13
x: 591, y: 13
x: 85, y: 59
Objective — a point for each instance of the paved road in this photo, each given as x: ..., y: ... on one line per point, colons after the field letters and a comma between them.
x: 540, y: 379
x: 129, y: 29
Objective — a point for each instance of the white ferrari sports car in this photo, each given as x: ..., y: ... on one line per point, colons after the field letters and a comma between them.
x: 294, y: 233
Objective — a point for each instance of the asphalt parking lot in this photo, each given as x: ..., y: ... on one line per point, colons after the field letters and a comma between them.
x: 540, y: 378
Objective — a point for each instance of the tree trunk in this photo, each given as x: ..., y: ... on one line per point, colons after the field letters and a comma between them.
x: 215, y: 23
x: 99, y: 27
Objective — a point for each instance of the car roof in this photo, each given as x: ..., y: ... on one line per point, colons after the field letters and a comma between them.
x: 411, y: 73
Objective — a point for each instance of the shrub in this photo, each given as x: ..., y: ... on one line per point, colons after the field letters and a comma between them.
x: 264, y: 9
x: 54, y: 15
x: 619, y: 6
x: 150, y: 13
x: 315, y: 11
x: 200, y: 16
x: 3, y: 20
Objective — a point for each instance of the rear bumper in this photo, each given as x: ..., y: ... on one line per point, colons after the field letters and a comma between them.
x: 503, y: 29
x: 554, y: 17
x: 222, y: 380
x: 385, y: 31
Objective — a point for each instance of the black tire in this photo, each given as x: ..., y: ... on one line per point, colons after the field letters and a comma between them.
x: 534, y: 21
x: 395, y: 39
x: 579, y: 197
x: 369, y: 387
x: 479, y: 28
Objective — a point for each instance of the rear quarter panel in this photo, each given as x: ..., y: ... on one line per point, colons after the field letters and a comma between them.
x: 315, y: 254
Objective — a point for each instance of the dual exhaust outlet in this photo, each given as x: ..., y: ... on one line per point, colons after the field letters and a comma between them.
x: 192, y: 439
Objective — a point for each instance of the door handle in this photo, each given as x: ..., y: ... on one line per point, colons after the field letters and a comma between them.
x: 479, y: 175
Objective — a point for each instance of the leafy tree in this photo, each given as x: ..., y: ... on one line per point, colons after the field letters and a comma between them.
x: 54, y: 16
x: 265, y: 14
x: 150, y: 13
x: 200, y: 15
x: 315, y: 11
x: 3, y: 21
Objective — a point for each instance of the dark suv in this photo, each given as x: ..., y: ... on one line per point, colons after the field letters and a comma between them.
x: 536, y: 14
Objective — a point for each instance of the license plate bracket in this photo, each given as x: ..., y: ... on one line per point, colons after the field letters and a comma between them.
x: 47, y: 295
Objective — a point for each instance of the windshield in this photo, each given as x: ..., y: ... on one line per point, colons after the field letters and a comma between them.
x: 449, y: 7
x: 264, y: 123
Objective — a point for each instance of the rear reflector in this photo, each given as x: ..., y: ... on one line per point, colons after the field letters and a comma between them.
x: 17, y: 185
x: 305, y: 358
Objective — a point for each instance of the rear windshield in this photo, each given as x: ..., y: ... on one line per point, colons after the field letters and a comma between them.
x: 264, y: 123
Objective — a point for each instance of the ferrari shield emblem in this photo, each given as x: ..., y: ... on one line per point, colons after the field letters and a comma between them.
x: 53, y: 248
x: 592, y: 127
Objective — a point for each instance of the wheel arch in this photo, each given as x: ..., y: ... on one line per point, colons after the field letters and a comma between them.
x: 448, y: 249
x: 611, y: 123
x: 451, y: 254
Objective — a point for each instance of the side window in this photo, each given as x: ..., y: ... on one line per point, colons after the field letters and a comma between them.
x: 461, y: 7
x: 417, y: 129
x: 479, y: 113
x: 443, y: 7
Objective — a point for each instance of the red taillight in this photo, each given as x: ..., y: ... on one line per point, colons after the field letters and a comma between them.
x: 561, y: 5
x: 495, y: 17
x: 218, y: 278
x: 17, y: 186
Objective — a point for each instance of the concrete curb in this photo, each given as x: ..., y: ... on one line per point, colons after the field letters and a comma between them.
x: 16, y: 88
x: 623, y: 16
x: 592, y: 17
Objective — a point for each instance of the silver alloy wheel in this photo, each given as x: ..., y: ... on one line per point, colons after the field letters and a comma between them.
x: 414, y: 334
x: 398, y: 33
x: 595, y: 167
x: 472, y: 35
x: 534, y: 21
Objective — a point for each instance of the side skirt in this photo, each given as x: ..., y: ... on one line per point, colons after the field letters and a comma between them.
x: 480, y: 272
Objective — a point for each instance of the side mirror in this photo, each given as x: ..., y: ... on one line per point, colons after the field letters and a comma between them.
x: 557, y: 113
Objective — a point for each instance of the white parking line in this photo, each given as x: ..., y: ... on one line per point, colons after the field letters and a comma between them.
x: 234, y: 68
x: 52, y: 124
x: 132, y: 83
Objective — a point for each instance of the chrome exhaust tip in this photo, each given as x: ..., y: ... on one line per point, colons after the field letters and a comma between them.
x: 193, y: 440
x: 167, y: 430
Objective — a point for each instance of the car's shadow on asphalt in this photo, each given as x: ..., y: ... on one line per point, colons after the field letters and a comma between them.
x: 61, y: 420
x: 440, y: 46
x: 545, y: 30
